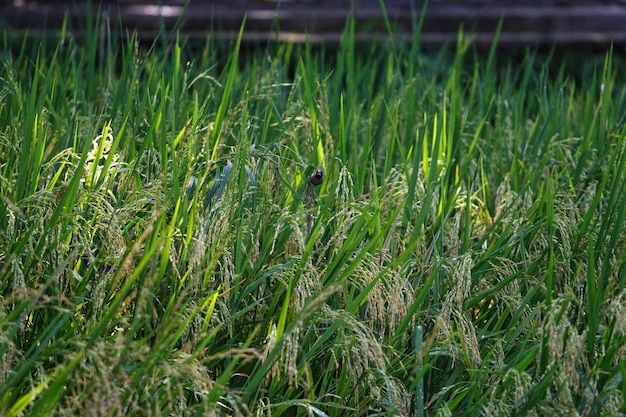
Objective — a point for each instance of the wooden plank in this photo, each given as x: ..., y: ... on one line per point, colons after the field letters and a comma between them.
x: 523, y: 22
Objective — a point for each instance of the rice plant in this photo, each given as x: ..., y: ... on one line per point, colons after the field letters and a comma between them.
x: 196, y: 229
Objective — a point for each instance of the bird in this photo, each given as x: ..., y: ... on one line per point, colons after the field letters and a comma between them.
x: 317, y: 177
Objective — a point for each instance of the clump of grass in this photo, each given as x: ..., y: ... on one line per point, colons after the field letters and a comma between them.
x: 163, y: 252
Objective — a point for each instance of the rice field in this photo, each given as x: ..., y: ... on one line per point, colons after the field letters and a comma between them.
x: 296, y: 230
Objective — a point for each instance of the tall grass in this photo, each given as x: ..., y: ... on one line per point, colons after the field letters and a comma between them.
x: 163, y: 252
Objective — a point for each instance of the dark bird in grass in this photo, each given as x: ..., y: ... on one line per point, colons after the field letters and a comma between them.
x: 317, y: 177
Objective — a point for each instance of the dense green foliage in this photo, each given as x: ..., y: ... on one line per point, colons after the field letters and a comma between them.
x: 162, y: 252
